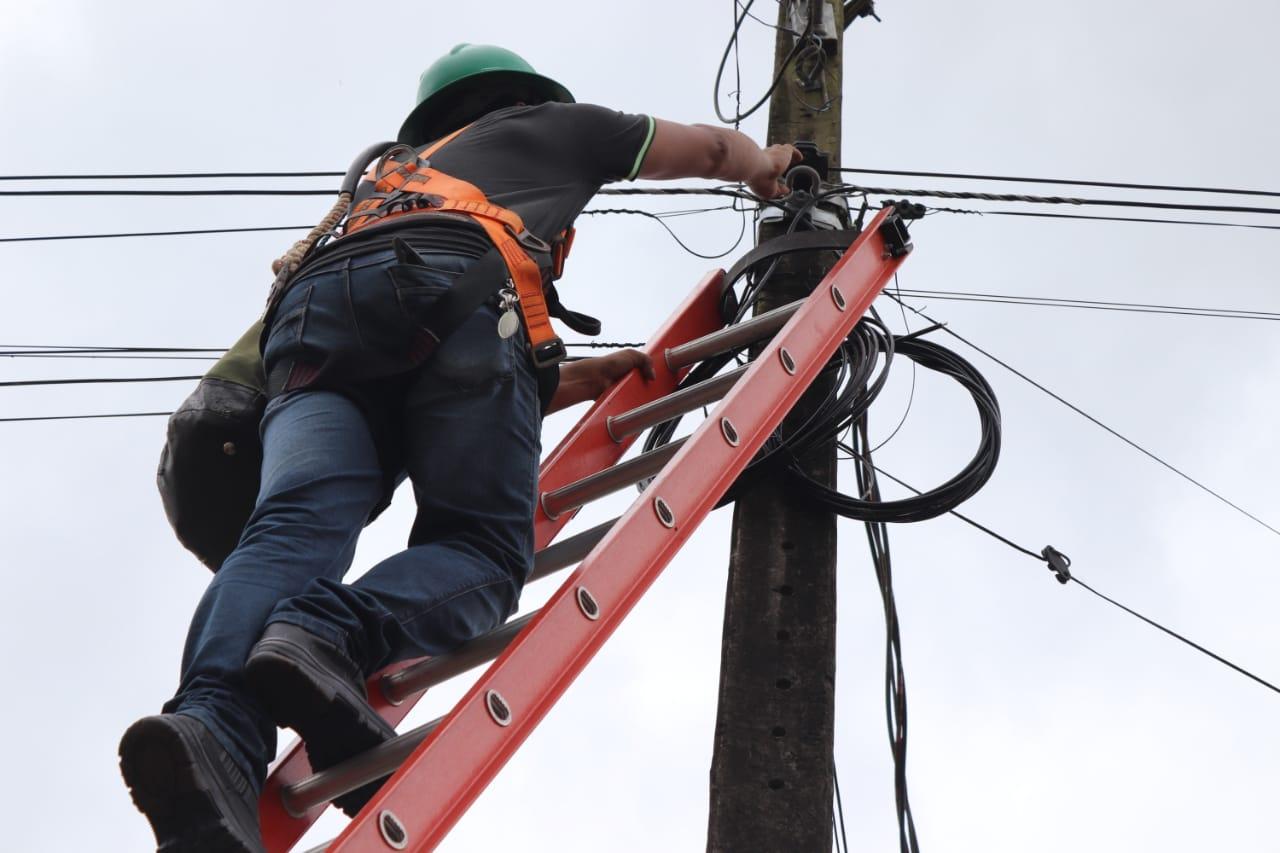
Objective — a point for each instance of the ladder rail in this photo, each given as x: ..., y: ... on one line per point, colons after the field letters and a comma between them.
x: 452, y: 766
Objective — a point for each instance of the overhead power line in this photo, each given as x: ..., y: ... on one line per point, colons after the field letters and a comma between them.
x: 1041, y: 199
x: 1039, y: 214
x: 1065, y: 182
x: 963, y: 176
x: 1093, y: 304
x: 87, y: 417
x: 237, y: 191
x: 1071, y: 577
x: 147, y: 176
x: 97, y: 381
x: 154, y: 233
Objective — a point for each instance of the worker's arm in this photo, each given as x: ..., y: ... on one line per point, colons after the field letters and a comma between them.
x: 703, y: 151
x: 588, y: 379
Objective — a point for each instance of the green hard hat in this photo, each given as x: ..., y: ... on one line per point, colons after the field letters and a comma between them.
x: 464, y: 83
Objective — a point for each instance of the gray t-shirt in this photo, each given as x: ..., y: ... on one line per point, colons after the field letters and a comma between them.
x: 544, y: 162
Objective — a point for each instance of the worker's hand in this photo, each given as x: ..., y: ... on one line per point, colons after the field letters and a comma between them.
x: 588, y: 379
x: 774, y: 161
x: 599, y: 374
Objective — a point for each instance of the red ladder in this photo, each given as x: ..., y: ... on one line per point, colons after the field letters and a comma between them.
x: 445, y: 764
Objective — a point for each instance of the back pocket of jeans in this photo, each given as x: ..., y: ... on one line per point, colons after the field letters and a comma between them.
x: 418, y: 290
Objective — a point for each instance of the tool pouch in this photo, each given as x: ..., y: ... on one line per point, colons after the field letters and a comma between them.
x: 211, y: 462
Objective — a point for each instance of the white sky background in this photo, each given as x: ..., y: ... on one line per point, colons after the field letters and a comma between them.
x: 1040, y: 718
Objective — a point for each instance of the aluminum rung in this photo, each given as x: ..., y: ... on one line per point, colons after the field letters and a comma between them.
x: 665, y: 408
x: 402, y: 684
x: 355, y: 772
x: 732, y: 337
x: 561, y: 555
x: 608, y: 481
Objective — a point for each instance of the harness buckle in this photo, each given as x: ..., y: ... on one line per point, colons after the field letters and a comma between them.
x: 532, y: 241
x: 549, y: 353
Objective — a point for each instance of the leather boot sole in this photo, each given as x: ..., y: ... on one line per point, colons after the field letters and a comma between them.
x: 333, y: 719
x: 172, y: 778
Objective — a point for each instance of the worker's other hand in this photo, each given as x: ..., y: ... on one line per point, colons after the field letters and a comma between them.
x: 775, y: 160
x: 588, y: 379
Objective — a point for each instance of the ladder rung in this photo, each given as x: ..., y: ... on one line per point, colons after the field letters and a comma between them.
x: 608, y: 481
x: 732, y: 337
x: 429, y: 672
x: 665, y: 408
x: 355, y: 772
x: 400, y: 685
x: 561, y: 555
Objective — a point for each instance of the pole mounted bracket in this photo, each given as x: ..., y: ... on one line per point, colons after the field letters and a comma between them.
x: 1059, y: 563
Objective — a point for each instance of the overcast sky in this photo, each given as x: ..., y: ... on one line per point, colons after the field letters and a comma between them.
x: 1041, y: 719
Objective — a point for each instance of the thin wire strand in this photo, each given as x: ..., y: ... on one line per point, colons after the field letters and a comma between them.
x: 147, y: 176
x: 1095, y: 305
x: 87, y: 417
x: 97, y: 381
x: 1085, y: 217
x: 1172, y: 633
x: 42, y: 238
x: 1096, y: 422
x: 1040, y: 557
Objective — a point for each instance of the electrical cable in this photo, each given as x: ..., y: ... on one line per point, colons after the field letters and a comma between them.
x: 43, y: 238
x: 239, y: 191
x: 87, y: 417
x: 185, y: 232
x: 1096, y: 422
x: 895, y: 678
x: 782, y: 68
x: 1080, y: 216
x: 96, y: 381
x: 145, y: 176
x: 853, y: 383
x: 841, y: 836
x: 1038, y: 199
x: 1071, y: 577
x: 659, y: 218
x: 1065, y: 182
x: 1092, y: 304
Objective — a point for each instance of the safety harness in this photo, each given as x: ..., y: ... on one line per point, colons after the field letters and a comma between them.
x: 405, y: 183
x: 209, y: 468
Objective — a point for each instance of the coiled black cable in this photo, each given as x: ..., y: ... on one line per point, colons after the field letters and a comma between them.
x: 854, y: 378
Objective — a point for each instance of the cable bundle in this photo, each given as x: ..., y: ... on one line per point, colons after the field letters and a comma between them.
x: 854, y: 378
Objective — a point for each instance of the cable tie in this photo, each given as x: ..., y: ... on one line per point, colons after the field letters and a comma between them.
x: 919, y: 332
x: 1059, y: 563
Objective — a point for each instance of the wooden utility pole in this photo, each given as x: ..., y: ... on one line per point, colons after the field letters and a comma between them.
x: 771, y: 771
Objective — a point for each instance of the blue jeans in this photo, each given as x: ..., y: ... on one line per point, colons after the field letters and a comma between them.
x: 464, y: 428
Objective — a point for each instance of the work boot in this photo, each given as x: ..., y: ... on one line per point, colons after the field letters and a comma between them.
x: 312, y: 687
x: 190, y: 789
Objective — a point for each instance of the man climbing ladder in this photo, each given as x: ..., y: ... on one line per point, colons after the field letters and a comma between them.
x: 366, y: 388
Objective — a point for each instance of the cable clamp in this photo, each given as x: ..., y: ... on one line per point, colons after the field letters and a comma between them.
x: 906, y: 209
x: 1059, y: 563
x: 897, y: 241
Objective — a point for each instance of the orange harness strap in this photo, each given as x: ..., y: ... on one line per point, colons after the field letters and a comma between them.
x: 414, y: 186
